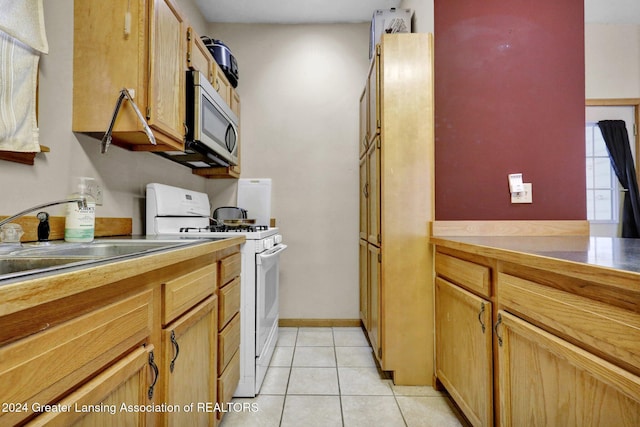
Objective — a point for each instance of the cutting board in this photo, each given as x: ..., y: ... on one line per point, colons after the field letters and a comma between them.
x: 254, y: 195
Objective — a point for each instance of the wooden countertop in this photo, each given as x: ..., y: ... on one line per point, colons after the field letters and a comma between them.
x: 38, y: 289
x: 584, y: 257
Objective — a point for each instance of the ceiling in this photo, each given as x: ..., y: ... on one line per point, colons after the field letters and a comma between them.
x: 292, y: 11
x: 347, y: 11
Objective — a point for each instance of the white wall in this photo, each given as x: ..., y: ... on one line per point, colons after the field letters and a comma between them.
x: 299, y: 87
x: 612, y: 60
x: 422, y: 14
x: 123, y: 174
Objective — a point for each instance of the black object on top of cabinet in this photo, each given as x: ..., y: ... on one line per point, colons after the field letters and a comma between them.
x: 224, y: 58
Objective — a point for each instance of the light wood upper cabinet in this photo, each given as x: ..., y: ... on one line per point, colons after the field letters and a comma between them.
x: 221, y: 84
x: 373, y: 96
x: 198, y: 56
x: 364, y: 120
x: 148, y: 61
x: 166, y: 110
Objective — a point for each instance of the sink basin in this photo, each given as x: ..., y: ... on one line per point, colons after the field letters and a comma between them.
x: 97, y: 249
x: 32, y: 259
x: 12, y: 265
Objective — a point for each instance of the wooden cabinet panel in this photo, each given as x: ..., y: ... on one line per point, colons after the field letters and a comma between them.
x: 148, y: 61
x: 398, y: 174
x: 470, y: 275
x: 87, y: 344
x: 373, y: 89
x: 180, y: 294
x: 364, y: 198
x: 548, y: 382
x: 198, y: 56
x: 612, y: 332
x: 188, y: 368
x: 464, y: 350
x: 364, y: 121
x: 373, y: 189
x: 364, y: 283
x: 375, y: 304
x: 221, y: 84
x: 228, y: 342
x: 167, y: 78
x: 229, y: 305
x: 230, y: 268
x: 124, y: 383
x: 228, y: 381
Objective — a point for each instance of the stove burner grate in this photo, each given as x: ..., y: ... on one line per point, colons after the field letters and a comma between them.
x: 224, y: 229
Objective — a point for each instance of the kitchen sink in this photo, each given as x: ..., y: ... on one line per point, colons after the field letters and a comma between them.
x: 97, y: 249
x: 40, y: 258
x: 13, y: 265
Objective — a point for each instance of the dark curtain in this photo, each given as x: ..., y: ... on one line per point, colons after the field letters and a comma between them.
x: 617, y: 140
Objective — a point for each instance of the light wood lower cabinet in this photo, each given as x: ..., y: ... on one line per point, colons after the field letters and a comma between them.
x: 464, y: 350
x: 138, y: 351
x: 228, y: 330
x: 546, y: 381
x: 31, y: 369
x: 113, y: 398
x: 365, y: 289
x: 560, y: 350
x: 189, y: 363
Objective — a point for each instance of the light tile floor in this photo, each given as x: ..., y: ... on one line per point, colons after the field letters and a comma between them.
x: 328, y: 377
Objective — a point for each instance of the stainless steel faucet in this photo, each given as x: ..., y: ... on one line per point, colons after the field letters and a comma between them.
x: 81, y: 201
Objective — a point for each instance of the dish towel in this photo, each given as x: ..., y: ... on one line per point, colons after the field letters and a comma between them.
x: 22, y: 40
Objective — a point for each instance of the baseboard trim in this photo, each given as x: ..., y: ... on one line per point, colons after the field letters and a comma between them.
x: 318, y: 323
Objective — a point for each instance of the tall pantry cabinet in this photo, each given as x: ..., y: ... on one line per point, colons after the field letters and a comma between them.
x: 396, y: 206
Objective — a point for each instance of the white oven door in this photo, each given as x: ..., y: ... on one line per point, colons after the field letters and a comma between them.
x: 267, y: 283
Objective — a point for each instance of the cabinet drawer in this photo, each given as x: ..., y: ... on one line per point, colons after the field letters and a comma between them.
x: 611, y: 332
x: 229, y: 302
x: 43, y: 366
x: 230, y: 268
x: 125, y: 382
x: 474, y: 277
x: 180, y: 294
x: 228, y: 342
x: 228, y: 381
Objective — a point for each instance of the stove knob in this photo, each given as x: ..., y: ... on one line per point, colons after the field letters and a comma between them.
x: 277, y: 238
x: 268, y: 243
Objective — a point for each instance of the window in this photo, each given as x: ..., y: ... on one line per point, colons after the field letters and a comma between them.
x: 602, y: 183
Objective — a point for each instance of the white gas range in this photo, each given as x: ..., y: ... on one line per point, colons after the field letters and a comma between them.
x: 175, y: 212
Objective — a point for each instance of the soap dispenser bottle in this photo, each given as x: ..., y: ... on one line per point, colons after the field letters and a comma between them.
x: 80, y: 221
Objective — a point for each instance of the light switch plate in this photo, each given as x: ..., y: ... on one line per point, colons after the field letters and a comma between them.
x: 523, y: 196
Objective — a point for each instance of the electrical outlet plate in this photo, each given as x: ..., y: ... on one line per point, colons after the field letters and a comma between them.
x: 523, y: 196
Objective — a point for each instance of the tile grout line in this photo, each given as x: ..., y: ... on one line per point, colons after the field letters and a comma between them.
x: 286, y: 390
x: 335, y: 356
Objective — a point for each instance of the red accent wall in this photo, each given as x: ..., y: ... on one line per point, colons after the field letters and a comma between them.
x: 509, y: 97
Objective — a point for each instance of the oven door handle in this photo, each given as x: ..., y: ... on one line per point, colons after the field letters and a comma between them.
x: 272, y: 252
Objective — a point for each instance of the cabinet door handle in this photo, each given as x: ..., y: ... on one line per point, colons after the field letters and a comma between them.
x: 176, y: 348
x: 365, y: 190
x: 155, y: 374
x: 480, y: 317
x: 495, y: 328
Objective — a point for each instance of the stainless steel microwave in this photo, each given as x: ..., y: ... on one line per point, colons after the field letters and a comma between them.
x: 212, y: 128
